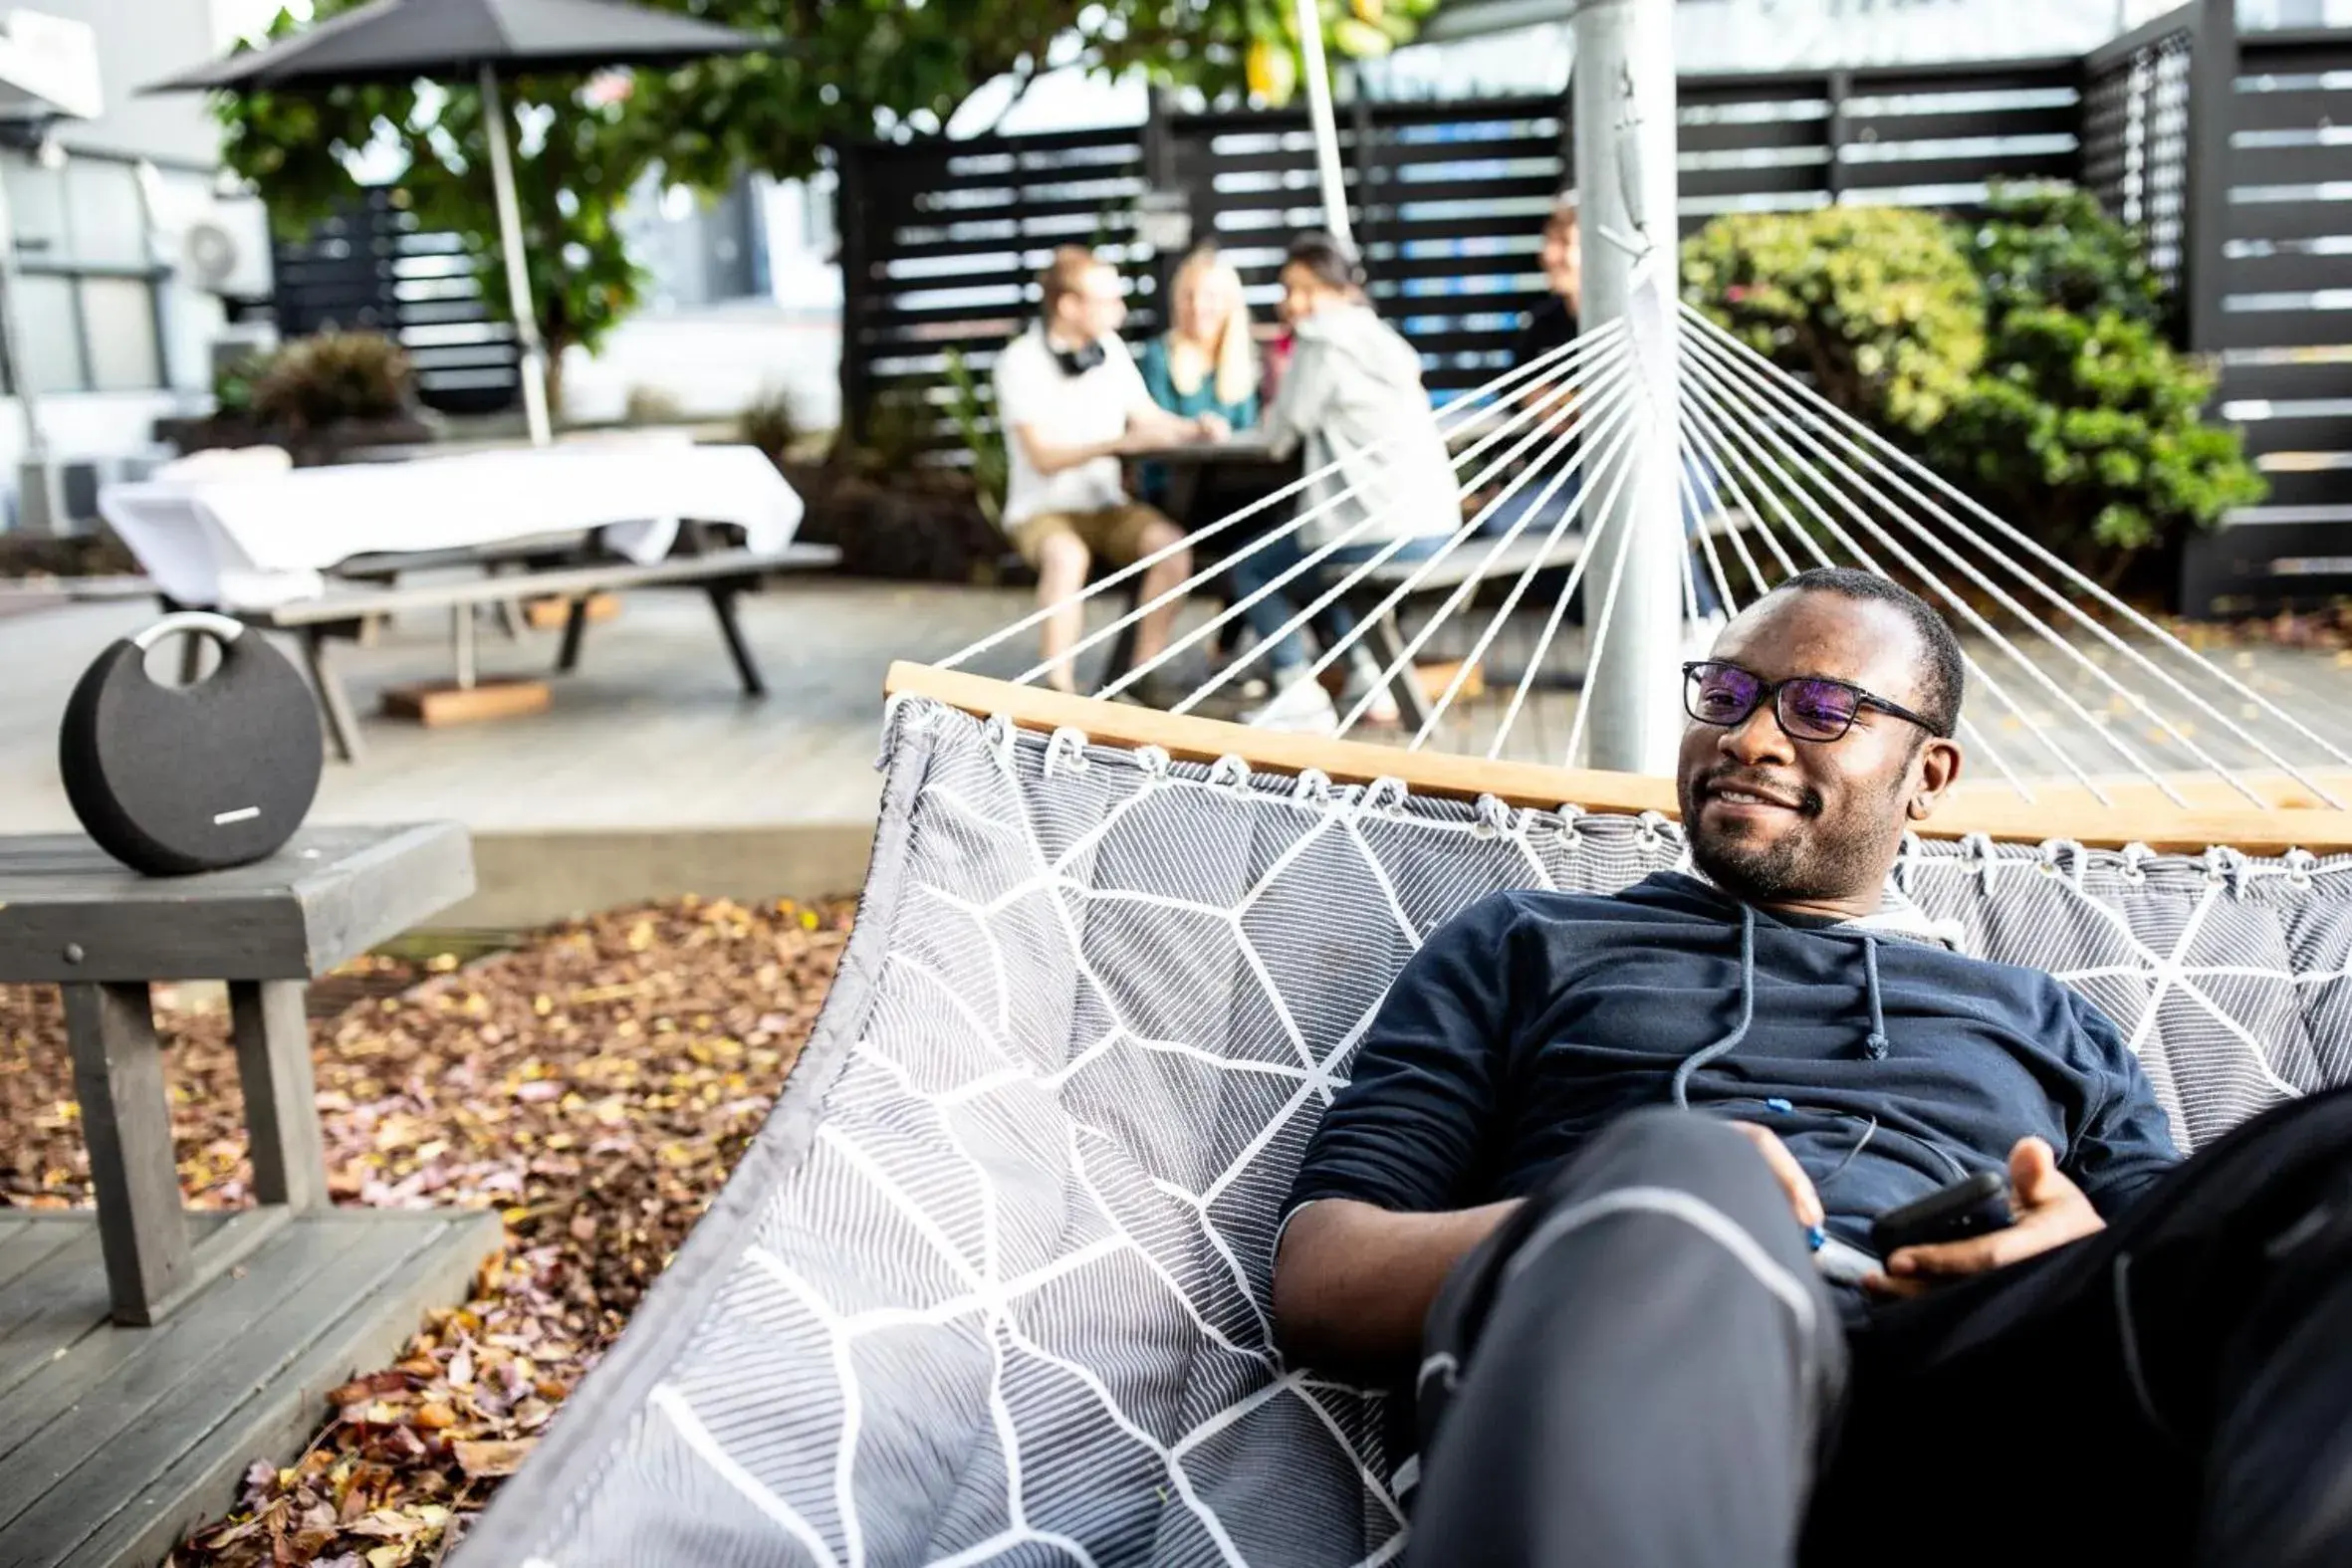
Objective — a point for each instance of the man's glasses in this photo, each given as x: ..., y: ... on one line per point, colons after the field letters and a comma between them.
x: 1809, y: 707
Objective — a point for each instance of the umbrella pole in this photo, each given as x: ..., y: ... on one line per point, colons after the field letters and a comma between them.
x: 1326, y: 125
x: 517, y: 276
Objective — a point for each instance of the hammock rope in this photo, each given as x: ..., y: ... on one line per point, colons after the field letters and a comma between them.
x: 2008, y: 602
x: 1701, y: 429
x: 1781, y: 387
x: 1464, y: 413
x: 1569, y: 406
x: 1703, y: 387
x: 1772, y: 478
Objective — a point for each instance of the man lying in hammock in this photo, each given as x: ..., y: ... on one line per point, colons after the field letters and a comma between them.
x: 1591, y: 1148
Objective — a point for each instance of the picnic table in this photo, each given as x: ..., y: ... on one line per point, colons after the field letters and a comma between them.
x: 317, y: 552
x: 149, y: 1355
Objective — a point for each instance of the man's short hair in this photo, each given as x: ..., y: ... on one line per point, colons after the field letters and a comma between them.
x: 1943, y: 678
x: 1066, y: 274
x: 1333, y: 264
x: 1563, y: 210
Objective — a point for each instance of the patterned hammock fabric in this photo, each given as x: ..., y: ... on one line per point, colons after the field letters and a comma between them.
x: 992, y: 1285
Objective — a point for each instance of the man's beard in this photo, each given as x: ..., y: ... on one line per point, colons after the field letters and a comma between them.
x: 1802, y: 863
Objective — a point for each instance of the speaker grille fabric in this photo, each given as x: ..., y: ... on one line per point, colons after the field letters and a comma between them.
x: 991, y: 1287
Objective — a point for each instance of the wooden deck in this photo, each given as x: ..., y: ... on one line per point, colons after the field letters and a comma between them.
x: 114, y: 1440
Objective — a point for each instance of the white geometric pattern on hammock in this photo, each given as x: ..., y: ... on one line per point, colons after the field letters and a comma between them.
x: 1011, y: 1307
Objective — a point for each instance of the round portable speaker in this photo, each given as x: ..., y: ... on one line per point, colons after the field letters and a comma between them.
x: 171, y: 779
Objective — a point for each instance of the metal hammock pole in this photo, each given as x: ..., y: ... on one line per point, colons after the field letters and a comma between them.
x: 1622, y: 85
x: 1326, y: 125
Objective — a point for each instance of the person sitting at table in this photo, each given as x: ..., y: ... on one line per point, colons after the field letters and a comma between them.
x: 1205, y: 365
x: 1352, y: 395
x: 1071, y: 402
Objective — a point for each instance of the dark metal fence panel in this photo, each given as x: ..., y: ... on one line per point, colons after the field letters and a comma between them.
x: 942, y: 242
x: 2282, y: 312
x: 370, y: 268
x: 2135, y: 135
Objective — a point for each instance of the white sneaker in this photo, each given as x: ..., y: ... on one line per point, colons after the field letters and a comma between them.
x: 1301, y: 707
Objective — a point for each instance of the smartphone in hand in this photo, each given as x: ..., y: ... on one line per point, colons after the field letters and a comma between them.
x: 1975, y: 1206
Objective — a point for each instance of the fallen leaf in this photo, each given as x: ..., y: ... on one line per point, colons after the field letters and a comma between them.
x: 499, y: 1456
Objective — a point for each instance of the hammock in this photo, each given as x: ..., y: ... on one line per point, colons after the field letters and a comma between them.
x: 989, y: 1287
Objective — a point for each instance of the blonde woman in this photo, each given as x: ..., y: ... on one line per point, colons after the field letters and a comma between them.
x: 1205, y: 365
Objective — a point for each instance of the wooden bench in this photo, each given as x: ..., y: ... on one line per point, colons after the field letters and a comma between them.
x: 723, y: 574
x: 1467, y: 561
x: 149, y: 1355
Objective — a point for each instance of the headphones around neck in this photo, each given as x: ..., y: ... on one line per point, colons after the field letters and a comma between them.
x: 1078, y: 361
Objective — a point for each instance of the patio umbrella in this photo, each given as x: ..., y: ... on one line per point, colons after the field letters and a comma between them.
x: 400, y: 41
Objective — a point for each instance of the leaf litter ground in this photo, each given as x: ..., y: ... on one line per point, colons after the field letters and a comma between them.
x: 595, y: 1084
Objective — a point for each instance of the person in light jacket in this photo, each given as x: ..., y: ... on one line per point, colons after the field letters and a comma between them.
x: 1352, y: 397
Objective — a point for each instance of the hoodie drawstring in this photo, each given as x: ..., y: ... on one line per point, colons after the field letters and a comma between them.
x: 1874, y: 1044
x: 1690, y: 1064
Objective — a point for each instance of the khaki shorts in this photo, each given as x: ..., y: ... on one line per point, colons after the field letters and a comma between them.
x: 1112, y: 534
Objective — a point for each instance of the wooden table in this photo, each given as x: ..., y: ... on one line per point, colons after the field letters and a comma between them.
x: 148, y: 1356
x: 1241, y: 456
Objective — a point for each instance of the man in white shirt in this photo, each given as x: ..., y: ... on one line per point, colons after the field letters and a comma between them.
x: 1071, y: 403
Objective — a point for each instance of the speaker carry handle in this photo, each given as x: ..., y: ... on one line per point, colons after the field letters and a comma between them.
x: 222, y: 629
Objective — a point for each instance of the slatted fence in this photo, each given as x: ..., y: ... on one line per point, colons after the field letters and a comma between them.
x: 2282, y: 315
x: 370, y: 268
x: 942, y: 240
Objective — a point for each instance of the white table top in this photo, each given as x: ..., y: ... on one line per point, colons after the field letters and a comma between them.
x: 253, y: 543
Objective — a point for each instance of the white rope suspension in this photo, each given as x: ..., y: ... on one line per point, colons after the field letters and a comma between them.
x: 1780, y: 385
x: 1475, y: 405
x: 1757, y: 452
x: 1559, y: 394
x: 1620, y: 398
x: 1599, y: 651
x: 1527, y: 577
x: 1701, y: 515
x: 1619, y: 409
x: 1552, y: 624
x: 1703, y: 406
x: 1699, y: 427
x: 1706, y: 354
x: 1569, y: 408
x: 2041, y: 628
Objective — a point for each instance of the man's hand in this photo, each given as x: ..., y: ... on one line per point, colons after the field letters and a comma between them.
x: 1212, y: 426
x: 2050, y: 1212
x: 1804, y: 1202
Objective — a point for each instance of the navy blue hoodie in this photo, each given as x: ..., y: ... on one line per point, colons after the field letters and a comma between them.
x: 1890, y: 1067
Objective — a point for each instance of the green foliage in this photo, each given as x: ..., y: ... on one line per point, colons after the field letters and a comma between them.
x: 855, y: 68
x: 770, y: 424
x: 1876, y: 306
x: 2086, y: 425
x: 2024, y: 358
x: 980, y: 435
x: 849, y: 69
x: 571, y: 171
x: 322, y: 380
x: 232, y: 384
x: 2044, y: 245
